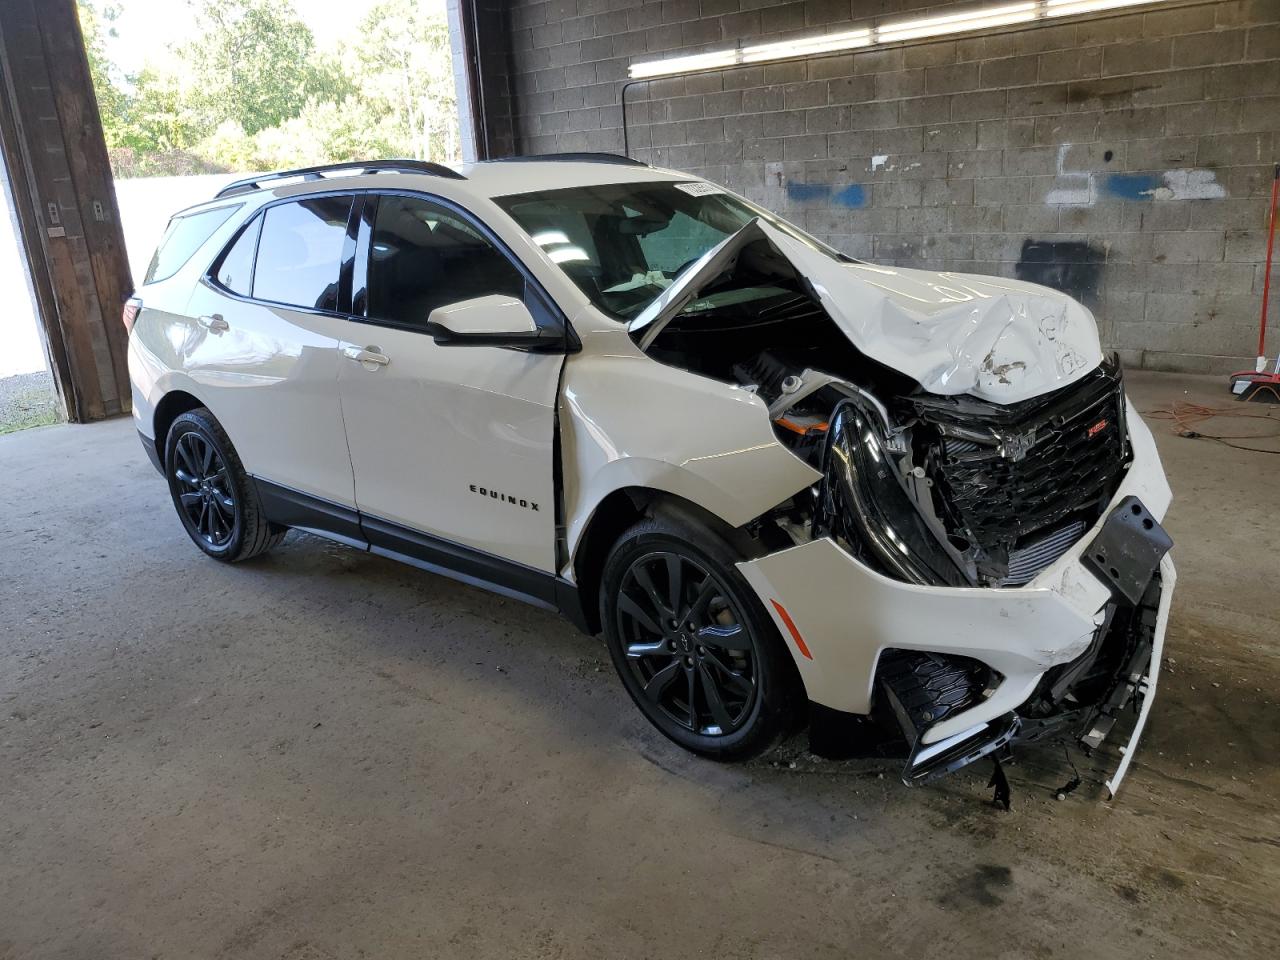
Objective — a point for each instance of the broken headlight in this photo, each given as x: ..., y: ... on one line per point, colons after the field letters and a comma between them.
x: 863, y: 502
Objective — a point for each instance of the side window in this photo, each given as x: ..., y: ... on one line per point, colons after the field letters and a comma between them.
x: 424, y: 256
x: 235, y: 269
x: 300, y: 252
x: 182, y: 238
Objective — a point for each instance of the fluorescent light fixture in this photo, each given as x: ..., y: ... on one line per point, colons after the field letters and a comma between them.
x: 957, y: 22
x: 1064, y: 8
x: 979, y: 18
x: 690, y: 64
x: 826, y: 43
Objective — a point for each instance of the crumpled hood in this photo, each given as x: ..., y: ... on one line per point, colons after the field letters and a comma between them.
x: 953, y: 333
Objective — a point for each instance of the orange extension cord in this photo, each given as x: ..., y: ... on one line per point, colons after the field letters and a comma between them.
x: 1185, y: 415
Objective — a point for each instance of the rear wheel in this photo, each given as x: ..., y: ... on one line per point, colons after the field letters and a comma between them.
x: 213, y: 495
x: 692, y: 644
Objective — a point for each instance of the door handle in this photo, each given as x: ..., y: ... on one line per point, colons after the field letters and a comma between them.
x: 366, y: 355
x: 214, y: 323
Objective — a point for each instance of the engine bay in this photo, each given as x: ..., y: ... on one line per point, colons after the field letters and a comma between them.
x: 931, y: 489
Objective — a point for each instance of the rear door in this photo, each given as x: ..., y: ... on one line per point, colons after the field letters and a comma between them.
x: 269, y: 320
x: 452, y: 442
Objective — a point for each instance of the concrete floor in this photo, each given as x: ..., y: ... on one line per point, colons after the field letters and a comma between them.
x: 323, y: 754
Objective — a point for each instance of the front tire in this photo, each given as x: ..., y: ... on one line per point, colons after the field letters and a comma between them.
x: 215, y: 499
x: 692, y: 643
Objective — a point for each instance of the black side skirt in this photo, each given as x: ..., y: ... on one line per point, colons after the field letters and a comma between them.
x: 302, y: 511
x: 153, y: 454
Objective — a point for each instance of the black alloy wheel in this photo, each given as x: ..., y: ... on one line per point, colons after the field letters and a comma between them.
x: 205, y: 493
x: 686, y: 645
x: 215, y: 498
x: 691, y: 640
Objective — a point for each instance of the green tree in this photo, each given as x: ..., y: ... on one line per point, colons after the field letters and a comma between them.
x: 255, y: 63
x: 250, y: 91
x: 95, y: 23
x: 323, y: 133
x: 404, y: 75
x: 161, y: 115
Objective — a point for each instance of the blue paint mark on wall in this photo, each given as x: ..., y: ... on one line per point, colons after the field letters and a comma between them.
x: 808, y: 191
x: 1133, y: 186
x: 851, y: 196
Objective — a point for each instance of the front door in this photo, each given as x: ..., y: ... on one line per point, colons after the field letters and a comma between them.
x: 453, y: 442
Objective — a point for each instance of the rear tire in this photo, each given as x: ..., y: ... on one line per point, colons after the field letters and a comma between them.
x: 692, y: 643
x: 215, y: 499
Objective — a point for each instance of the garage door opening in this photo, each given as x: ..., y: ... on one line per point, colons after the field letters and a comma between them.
x: 193, y: 97
x: 28, y: 397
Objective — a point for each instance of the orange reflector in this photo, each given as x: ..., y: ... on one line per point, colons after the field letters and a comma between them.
x: 791, y: 625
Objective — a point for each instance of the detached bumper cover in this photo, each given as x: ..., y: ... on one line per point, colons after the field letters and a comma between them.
x: 1143, y: 684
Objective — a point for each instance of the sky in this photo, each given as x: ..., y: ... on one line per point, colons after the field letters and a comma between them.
x: 146, y: 27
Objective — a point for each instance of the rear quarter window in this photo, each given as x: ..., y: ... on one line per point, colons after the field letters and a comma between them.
x: 183, y: 237
x: 235, y: 266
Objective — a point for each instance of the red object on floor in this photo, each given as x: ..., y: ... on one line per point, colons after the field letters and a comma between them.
x: 1250, y: 383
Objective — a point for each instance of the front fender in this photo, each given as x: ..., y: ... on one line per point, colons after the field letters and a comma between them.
x: 628, y: 421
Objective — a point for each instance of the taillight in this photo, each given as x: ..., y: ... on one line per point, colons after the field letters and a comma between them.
x: 131, y: 308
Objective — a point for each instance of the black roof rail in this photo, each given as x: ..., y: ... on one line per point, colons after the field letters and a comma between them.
x: 576, y: 158
x: 250, y: 184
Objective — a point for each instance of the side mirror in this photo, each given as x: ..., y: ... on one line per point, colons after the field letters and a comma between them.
x: 492, y: 321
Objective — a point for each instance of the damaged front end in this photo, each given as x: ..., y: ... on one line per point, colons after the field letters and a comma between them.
x: 999, y: 578
x: 967, y: 494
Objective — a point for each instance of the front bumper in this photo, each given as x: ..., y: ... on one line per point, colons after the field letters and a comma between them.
x: 1133, y: 656
x: 839, y: 616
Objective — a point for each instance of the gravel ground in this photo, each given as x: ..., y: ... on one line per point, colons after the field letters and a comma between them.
x: 28, y: 400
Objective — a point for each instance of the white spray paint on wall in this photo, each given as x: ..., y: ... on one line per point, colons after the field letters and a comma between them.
x: 1081, y: 189
x: 1081, y: 193
x: 1188, y: 185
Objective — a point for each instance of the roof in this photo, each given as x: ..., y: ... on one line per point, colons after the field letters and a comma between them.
x: 497, y: 178
x: 483, y: 179
x: 491, y: 177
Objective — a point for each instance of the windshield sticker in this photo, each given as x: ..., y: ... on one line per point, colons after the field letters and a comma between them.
x: 699, y: 189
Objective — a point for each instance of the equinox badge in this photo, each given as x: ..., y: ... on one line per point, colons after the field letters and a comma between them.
x: 504, y: 497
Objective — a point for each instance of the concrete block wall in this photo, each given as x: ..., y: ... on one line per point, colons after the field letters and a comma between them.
x: 1126, y: 159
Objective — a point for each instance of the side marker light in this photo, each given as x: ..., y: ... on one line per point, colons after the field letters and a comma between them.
x: 791, y: 626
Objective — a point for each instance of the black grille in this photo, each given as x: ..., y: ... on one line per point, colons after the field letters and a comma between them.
x: 1007, y: 476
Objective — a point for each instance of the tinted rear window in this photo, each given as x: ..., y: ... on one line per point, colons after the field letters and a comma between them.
x: 300, y: 252
x: 182, y: 238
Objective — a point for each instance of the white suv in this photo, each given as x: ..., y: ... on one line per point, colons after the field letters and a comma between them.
x: 771, y: 475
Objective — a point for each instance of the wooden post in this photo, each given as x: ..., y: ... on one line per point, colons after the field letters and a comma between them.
x: 56, y: 159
